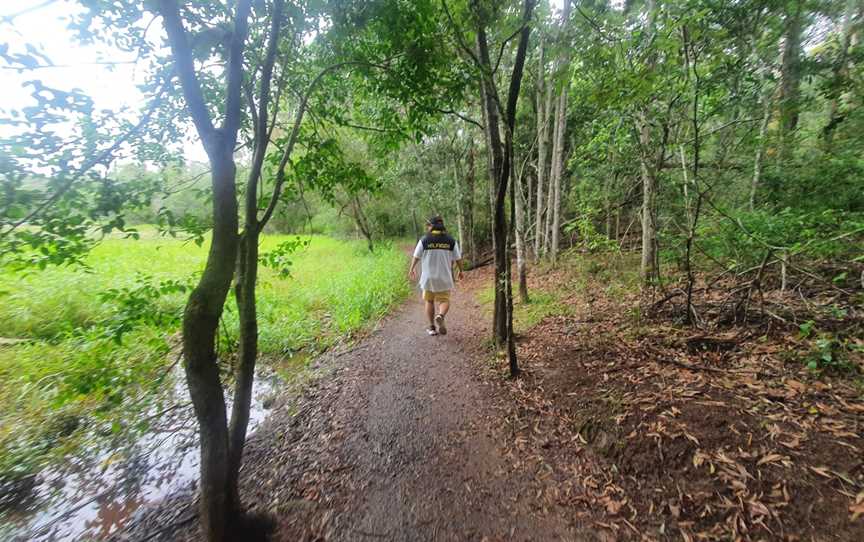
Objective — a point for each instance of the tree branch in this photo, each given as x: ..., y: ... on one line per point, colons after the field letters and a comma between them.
x: 261, y: 128
x: 185, y: 66
x: 295, y: 132
x: 235, y: 73
x: 458, y: 33
x: 503, y: 45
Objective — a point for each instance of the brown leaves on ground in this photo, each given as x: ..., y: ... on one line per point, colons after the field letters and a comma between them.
x: 650, y: 431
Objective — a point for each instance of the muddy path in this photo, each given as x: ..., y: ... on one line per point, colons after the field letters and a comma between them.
x: 399, y: 441
x: 406, y: 444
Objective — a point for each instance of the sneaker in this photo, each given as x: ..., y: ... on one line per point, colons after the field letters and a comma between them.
x: 432, y: 331
x: 439, y: 321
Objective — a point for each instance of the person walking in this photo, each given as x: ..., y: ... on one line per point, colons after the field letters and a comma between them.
x: 438, y: 253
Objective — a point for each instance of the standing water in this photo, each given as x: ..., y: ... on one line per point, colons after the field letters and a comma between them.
x: 93, y: 498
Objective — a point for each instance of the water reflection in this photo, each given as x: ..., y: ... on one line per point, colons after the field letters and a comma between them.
x: 92, y: 497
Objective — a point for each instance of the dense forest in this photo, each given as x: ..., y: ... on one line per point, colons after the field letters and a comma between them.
x: 713, y: 149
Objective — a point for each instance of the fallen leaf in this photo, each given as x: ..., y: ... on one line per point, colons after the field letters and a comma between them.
x: 822, y: 471
x: 792, y: 444
x: 857, y: 510
x: 770, y: 458
x: 613, y: 506
x: 796, y: 386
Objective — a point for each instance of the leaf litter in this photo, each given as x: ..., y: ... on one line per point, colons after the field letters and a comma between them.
x: 638, y: 429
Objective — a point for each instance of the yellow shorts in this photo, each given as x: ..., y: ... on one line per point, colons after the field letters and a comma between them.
x: 440, y: 297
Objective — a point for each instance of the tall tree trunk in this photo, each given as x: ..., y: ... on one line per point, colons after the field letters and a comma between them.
x: 204, y: 307
x: 518, y: 196
x: 550, y: 197
x: 542, y: 135
x: 790, y: 74
x: 558, y: 169
x: 247, y: 355
x: 467, y: 208
x: 501, y: 162
x: 841, y: 64
x: 553, y: 217
x: 247, y: 273
x: 760, y: 149
x: 495, y: 152
x: 200, y: 323
x: 648, y: 267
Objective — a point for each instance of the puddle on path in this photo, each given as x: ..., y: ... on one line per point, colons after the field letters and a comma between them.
x: 94, y: 498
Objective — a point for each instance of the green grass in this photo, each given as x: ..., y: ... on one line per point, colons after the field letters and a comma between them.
x: 617, y: 274
x: 73, y: 370
x: 542, y: 304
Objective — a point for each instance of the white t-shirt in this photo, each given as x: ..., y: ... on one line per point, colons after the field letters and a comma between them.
x: 437, y: 251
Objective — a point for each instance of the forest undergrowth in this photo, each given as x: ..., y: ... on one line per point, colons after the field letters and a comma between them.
x: 747, y: 426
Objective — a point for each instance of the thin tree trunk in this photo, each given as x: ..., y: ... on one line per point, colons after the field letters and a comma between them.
x: 501, y: 162
x: 247, y: 272
x: 649, y: 228
x: 496, y: 159
x: 244, y: 373
x: 841, y: 65
x: 760, y: 149
x: 362, y: 222
x: 692, y: 214
x: 550, y: 198
x: 558, y: 169
x: 790, y: 74
x: 518, y: 196
x: 648, y: 268
x: 467, y: 208
x: 560, y: 131
x: 542, y: 134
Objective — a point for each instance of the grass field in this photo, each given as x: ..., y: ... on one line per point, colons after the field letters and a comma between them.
x: 71, y: 371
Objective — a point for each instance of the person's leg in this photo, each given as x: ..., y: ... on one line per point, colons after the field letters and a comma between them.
x: 443, y: 306
x: 429, y: 302
x: 430, y: 312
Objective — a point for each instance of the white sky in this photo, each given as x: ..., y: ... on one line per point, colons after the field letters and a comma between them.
x: 111, y: 87
x: 77, y: 66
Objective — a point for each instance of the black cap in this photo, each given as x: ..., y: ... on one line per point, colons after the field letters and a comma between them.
x: 436, y: 222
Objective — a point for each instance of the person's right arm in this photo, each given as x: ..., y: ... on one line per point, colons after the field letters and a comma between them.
x: 418, y: 252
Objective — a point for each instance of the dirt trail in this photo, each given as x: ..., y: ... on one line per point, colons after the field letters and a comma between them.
x: 400, y: 443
